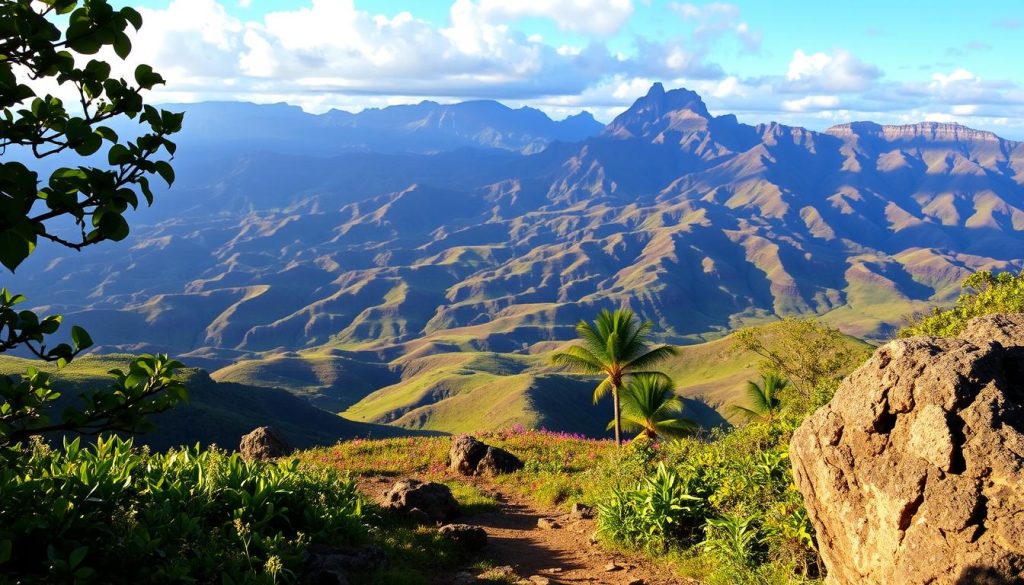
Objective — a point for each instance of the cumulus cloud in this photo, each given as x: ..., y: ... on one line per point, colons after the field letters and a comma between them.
x: 599, y: 17
x: 811, y: 103
x: 839, y: 71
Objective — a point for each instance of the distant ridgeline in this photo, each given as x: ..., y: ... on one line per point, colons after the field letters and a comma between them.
x: 429, y: 228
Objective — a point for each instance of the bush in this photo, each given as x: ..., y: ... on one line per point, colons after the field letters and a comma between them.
x: 985, y: 293
x: 112, y: 514
x: 726, y: 504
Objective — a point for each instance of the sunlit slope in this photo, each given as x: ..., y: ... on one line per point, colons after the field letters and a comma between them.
x: 695, y: 221
x: 217, y: 413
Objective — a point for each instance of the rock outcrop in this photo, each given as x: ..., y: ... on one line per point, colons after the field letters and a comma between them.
x: 434, y: 500
x: 263, y: 444
x: 914, y: 472
x: 469, y: 456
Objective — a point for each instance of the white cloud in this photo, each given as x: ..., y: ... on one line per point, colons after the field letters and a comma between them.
x: 942, y: 80
x: 839, y: 71
x: 811, y: 103
x: 598, y: 17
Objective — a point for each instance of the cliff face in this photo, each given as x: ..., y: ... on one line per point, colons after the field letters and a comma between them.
x: 914, y: 472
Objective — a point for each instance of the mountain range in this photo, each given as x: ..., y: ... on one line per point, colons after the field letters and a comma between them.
x: 430, y: 229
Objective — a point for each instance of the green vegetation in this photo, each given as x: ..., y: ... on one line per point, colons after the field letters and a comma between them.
x: 984, y: 293
x: 614, y: 346
x: 765, y: 403
x: 651, y: 408
x: 93, y: 199
x: 111, y: 514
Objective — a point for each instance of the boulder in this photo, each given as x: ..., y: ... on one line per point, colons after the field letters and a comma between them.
x: 470, y: 456
x: 497, y: 461
x: 465, y: 453
x: 433, y: 499
x: 914, y: 472
x: 470, y: 538
x: 263, y: 444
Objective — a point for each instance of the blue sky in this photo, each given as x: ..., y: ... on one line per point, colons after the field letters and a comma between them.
x: 810, y: 63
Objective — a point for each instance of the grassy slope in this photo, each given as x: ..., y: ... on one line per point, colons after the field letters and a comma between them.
x: 218, y: 413
x: 466, y: 391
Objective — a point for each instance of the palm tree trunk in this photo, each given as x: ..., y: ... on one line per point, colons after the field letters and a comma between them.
x: 618, y: 415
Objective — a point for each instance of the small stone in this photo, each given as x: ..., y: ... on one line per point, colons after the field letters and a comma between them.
x: 612, y: 567
x: 553, y: 570
x: 580, y: 511
x: 539, y: 580
x: 637, y: 582
x: 548, y: 524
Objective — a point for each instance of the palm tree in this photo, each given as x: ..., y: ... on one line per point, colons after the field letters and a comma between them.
x: 651, y: 407
x: 764, y: 398
x: 615, y: 346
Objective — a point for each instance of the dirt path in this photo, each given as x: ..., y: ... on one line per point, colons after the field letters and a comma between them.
x: 563, y: 554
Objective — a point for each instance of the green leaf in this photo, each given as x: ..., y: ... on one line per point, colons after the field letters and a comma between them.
x: 81, y: 338
x: 118, y: 155
x: 132, y: 16
x: 14, y: 249
x: 164, y: 169
x: 113, y: 226
x: 122, y: 45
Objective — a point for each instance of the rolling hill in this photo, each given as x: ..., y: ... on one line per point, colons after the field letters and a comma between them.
x: 218, y: 413
x: 330, y: 254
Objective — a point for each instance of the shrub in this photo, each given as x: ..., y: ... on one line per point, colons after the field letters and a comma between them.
x: 984, y: 293
x: 112, y: 514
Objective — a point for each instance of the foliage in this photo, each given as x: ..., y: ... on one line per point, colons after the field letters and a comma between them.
x: 111, y: 514
x: 651, y: 513
x: 148, y: 386
x: 984, y: 293
x: 615, y: 346
x: 86, y: 200
x: 651, y: 407
x: 765, y: 403
x: 803, y: 351
x: 748, y: 521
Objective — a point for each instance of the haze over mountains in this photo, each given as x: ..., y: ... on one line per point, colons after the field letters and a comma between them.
x: 418, y: 230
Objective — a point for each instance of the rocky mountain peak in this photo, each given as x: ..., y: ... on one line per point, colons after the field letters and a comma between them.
x: 679, y: 110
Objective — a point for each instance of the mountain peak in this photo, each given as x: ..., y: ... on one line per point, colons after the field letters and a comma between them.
x: 678, y: 110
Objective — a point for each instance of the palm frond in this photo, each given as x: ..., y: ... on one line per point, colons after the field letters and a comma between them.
x: 602, y: 389
x: 744, y: 411
x: 646, y: 360
x: 592, y: 340
x: 758, y: 400
x: 676, y: 427
x: 660, y: 375
x: 579, y: 359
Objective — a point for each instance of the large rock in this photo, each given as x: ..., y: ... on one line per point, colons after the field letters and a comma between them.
x: 470, y: 538
x: 263, y: 444
x: 914, y: 473
x: 469, y: 456
x: 433, y: 499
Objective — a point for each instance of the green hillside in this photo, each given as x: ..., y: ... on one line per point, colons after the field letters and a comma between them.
x: 217, y: 413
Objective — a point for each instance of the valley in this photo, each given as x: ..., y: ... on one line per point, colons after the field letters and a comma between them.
x: 413, y: 266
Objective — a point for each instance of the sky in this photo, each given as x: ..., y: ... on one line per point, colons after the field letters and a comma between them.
x: 809, y: 63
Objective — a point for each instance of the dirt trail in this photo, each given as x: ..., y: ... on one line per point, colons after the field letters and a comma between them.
x: 564, y: 555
